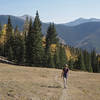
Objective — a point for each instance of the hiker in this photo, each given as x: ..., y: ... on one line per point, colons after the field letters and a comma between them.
x: 64, y: 74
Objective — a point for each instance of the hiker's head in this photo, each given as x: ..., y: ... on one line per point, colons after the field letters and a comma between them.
x: 66, y: 66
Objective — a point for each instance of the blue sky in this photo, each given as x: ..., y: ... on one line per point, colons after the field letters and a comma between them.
x: 58, y: 11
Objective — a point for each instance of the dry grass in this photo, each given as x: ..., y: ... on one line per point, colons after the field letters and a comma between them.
x: 26, y: 83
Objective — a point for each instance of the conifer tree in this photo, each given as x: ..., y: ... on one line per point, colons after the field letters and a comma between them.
x: 37, y: 49
x: 8, y: 47
x: 9, y: 38
x: 51, y: 36
x: 34, y: 48
x: 18, y: 49
x: 80, y: 63
x: 62, y: 56
x: 57, y: 58
x: 29, y: 44
x: 9, y: 28
x: 26, y: 27
x: 50, y: 59
x: 87, y: 61
x: 88, y: 64
x: 10, y: 54
x: 16, y: 31
x: 94, y: 61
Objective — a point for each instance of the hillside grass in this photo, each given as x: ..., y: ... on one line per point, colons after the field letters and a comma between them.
x: 32, y: 83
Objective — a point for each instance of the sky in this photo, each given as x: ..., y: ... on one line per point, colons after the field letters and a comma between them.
x: 57, y: 11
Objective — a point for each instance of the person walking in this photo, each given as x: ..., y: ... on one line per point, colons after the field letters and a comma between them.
x: 64, y: 75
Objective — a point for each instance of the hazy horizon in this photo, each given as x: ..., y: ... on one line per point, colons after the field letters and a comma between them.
x: 63, y: 11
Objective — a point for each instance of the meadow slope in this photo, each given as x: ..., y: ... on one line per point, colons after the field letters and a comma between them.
x: 27, y: 83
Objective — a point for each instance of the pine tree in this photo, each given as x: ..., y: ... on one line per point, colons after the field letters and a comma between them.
x: 51, y: 36
x: 87, y: 61
x: 29, y: 45
x: 10, y: 54
x: 34, y: 48
x: 62, y: 56
x: 26, y: 27
x: 50, y: 59
x: 9, y: 28
x: 8, y: 47
x: 89, y: 67
x: 57, y: 58
x: 16, y: 31
x: 94, y: 61
x: 37, y: 50
x: 51, y: 63
x: 9, y: 38
x: 18, y: 49
x: 80, y: 62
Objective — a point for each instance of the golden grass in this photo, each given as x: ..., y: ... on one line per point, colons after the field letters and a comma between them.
x: 27, y: 83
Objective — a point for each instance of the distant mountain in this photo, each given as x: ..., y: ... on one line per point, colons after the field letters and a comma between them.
x: 25, y: 16
x: 81, y: 21
x: 86, y: 35
x: 14, y: 19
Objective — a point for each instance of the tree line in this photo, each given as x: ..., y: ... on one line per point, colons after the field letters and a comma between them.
x: 31, y: 48
x: 86, y: 61
x: 27, y: 47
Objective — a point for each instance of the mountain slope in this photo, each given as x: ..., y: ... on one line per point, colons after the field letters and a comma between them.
x: 84, y: 35
x: 74, y: 35
x: 81, y: 21
x: 14, y: 19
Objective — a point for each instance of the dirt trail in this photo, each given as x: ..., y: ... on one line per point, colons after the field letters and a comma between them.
x: 65, y: 95
x: 73, y: 92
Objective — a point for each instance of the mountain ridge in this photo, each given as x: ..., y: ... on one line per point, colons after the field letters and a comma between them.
x: 75, y: 36
x: 81, y: 21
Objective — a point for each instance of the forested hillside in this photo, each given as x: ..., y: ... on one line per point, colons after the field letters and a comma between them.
x: 31, y: 47
x: 84, y: 35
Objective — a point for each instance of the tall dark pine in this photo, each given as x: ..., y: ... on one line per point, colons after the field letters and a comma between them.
x: 29, y: 45
x: 80, y: 63
x: 26, y: 27
x: 9, y: 38
x: 62, y: 56
x: 16, y: 31
x: 94, y: 61
x: 57, y: 58
x: 51, y: 36
x: 34, y: 48
x: 50, y: 59
x: 18, y: 49
x: 37, y: 49
x: 9, y: 28
x: 87, y: 61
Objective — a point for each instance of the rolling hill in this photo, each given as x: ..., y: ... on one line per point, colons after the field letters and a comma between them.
x: 84, y: 35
